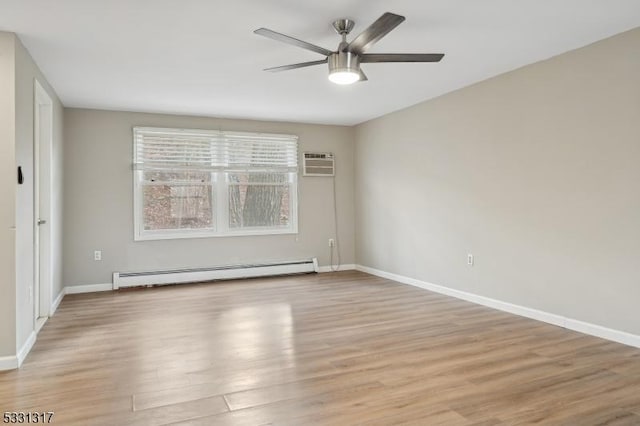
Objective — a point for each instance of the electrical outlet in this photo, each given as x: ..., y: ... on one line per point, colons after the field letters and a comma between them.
x: 470, y: 259
x: 97, y: 255
x: 332, y: 242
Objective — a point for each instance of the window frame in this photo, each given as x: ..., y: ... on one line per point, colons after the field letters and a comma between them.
x: 220, y: 198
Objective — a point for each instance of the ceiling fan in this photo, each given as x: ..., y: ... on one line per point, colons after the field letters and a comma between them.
x: 344, y: 63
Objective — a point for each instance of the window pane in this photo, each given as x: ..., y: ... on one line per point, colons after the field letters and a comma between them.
x: 177, y: 200
x: 259, y: 200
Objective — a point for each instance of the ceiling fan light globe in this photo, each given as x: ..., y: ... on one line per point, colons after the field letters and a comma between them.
x: 344, y: 77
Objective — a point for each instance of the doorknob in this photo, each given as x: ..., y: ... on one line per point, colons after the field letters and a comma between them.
x: 41, y: 222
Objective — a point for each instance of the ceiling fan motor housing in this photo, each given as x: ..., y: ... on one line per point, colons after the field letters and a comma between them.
x: 344, y: 62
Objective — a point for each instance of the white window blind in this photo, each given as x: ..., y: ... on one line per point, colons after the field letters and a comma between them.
x: 246, y: 151
x: 201, y: 183
x: 162, y: 149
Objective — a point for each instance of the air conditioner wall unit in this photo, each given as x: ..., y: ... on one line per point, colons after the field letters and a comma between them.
x: 318, y: 164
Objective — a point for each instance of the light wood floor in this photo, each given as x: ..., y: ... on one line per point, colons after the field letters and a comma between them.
x: 331, y: 349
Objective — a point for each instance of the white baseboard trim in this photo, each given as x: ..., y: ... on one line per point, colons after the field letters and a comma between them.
x: 88, y: 288
x: 8, y: 362
x: 12, y: 362
x: 570, y: 323
x: 57, y: 301
x: 347, y: 267
x: 24, y: 350
x: 603, y: 332
x: 92, y: 288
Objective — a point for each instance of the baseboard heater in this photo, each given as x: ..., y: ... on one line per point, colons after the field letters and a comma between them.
x: 178, y: 276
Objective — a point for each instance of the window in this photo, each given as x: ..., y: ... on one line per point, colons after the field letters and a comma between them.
x: 202, y: 183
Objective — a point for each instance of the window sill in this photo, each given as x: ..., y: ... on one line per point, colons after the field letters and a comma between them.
x: 150, y: 236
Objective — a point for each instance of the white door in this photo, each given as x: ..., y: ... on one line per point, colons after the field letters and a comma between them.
x: 42, y: 150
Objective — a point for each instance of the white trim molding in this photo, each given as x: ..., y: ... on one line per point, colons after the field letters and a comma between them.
x: 347, y: 267
x: 88, y: 288
x: 93, y: 288
x: 9, y: 362
x: 57, y: 301
x: 561, y: 321
x: 26, y: 348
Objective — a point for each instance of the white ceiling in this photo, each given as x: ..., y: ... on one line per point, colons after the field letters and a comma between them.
x: 200, y: 57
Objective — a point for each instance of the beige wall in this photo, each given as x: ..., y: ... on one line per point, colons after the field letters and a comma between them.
x: 536, y: 172
x: 7, y: 195
x: 17, y: 75
x: 25, y: 75
x: 99, y: 198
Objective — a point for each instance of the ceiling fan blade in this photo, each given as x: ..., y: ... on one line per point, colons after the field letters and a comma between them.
x: 401, y: 57
x: 265, y: 32
x: 380, y: 28
x: 294, y: 66
x: 363, y: 76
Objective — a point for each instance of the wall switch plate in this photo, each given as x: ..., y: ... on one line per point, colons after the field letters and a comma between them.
x: 97, y: 255
x: 470, y: 259
x: 332, y: 242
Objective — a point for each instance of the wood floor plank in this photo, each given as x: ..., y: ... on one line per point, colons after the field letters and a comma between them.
x: 172, y: 413
x: 330, y: 349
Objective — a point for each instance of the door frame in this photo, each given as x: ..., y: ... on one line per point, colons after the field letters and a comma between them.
x: 42, y: 190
